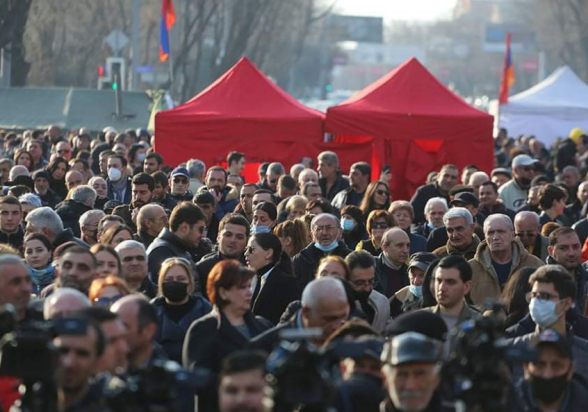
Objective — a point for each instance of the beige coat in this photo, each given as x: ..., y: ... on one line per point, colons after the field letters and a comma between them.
x: 485, y: 283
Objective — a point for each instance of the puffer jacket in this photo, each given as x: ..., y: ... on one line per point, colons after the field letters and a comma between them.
x: 485, y: 283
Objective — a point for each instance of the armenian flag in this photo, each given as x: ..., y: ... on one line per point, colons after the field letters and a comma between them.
x: 508, y: 74
x: 168, y: 18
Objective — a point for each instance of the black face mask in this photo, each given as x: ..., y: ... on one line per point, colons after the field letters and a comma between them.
x: 548, y: 390
x: 362, y: 295
x: 175, y: 291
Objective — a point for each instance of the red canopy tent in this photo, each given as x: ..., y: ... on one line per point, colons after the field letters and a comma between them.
x: 415, y: 125
x: 244, y: 111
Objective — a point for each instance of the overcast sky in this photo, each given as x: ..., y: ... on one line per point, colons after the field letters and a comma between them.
x: 414, y: 10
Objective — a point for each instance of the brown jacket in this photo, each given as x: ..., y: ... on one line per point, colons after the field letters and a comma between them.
x: 485, y: 283
x: 468, y: 254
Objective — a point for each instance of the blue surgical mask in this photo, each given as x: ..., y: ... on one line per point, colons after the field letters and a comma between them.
x: 543, y: 312
x: 329, y: 248
x: 260, y: 229
x: 347, y: 225
x: 416, y: 290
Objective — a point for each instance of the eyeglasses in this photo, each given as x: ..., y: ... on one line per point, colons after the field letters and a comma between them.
x: 380, y: 225
x: 541, y: 296
x: 180, y: 180
x: 107, y: 302
x: 382, y: 192
x: 526, y: 234
x: 359, y: 283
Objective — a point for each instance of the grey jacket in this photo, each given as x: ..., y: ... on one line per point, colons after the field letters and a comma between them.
x: 381, y: 306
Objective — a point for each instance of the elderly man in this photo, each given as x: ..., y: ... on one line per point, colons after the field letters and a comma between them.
x: 331, y: 179
x: 514, y: 193
x: 41, y: 180
x: 81, y: 200
x: 46, y: 221
x: 476, y: 180
x: 311, y: 191
x: 446, y: 180
x: 150, y: 222
x: 307, y: 175
x: 133, y: 258
x: 412, y: 370
x: 359, y: 179
x: 462, y: 240
x: 527, y: 230
x: 574, y: 210
x: 73, y: 179
x: 435, y: 209
x: 63, y: 149
x: 497, y: 258
x: 571, y: 177
x: 324, y: 305
x: 391, y: 268
x: 565, y: 249
x: 63, y: 302
x: 326, y: 232
x: 89, y: 226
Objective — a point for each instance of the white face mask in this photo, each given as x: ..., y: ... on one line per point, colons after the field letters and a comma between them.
x: 114, y: 174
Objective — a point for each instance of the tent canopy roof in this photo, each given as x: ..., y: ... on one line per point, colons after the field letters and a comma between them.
x: 410, y: 89
x: 243, y: 92
x: 563, y: 88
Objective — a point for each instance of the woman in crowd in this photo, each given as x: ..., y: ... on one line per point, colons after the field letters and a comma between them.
x: 176, y: 305
x: 105, y: 291
x: 352, y: 225
x: 293, y: 235
x: 376, y: 197
x: 318, y: 206
x: 57, y: 169
x: 265, y: 217
x: 333, y: 266
x: 226, y: 329
x: 403, y: 214
x: 115, y: 235
x: 108, y: 261
x: 99, y: 185
x: 274, y: 285
x: 37, y: 252
x: 24, y: 158
x: 295, y: 207
x: 377, y: 223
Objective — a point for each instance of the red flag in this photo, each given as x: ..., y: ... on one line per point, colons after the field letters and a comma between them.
x: 508, y: 74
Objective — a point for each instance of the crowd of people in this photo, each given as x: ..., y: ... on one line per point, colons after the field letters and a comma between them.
x: 199, y: 267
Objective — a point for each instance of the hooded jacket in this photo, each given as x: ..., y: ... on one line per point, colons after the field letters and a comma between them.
x: 485, y: 283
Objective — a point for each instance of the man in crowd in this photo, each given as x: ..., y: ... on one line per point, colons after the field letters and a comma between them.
x: 153, y: 163
x: 331, y: 179
x: 196, y: 168
x: 11, y: 231
x: 272, y: 175
x: 46, y: 221
x: 73, y: 179
x: 359, y: 179
x: 63, y: 302
x: 462, y: 240
x: 575, y: 208
x: 151, y: 220
x: 15, y: 284
x: 46, y: 194
x: 242, y: 384
x: 565, y: 250
x: 467, y: 173
x: 514, y: 193
x: 36, y: 150
x: 391, y: 268
x: 446, y: 180
x: 89, y: 226
x: 63, y: 149
x: 435, y: 209
x: 476, y: 181
x: 232, y: 240
x: 77, y: 270
x: 133, y: 258
x: 179, y: 183
x: 311, y: 191
x: 235, y: 163
x: 205, y: 201
x: 326, y: 231
x: 413, y: 373
x: 119, y: 184
x: 216, y: 183
x: 497, y: 258
x: 362, y: 276
x: 489, y: 203
x: 160, y: 194
x: 81, y: 200
x: 246, y: 201
x: 308, y: 175
x: 571, y: 178
x: 527, y: 230
x: 186, y: 228
x: 142, y: 186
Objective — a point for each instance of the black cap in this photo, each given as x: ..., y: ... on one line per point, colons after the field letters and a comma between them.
x: 411, y: 347
x: 460, y: 189
x: 465, y: 198
x: 422, y: 260
x: 423, y: 322
x: 41, y: 174
x: 559, y: 341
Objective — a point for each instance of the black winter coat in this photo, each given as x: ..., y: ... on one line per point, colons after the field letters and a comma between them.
x: 307, y: 261
x: 70, y: 212
x: 170, y: 335
x: 420, y: 198
x: 165, y: 246
x: 279, y: 290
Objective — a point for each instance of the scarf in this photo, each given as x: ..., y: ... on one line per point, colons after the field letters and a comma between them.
x: 42, y: 277
x: 119, y: 187
x: 388, y: 262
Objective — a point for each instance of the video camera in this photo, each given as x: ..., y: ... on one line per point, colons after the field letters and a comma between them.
x: 476, y: 374
x: 303, y: 375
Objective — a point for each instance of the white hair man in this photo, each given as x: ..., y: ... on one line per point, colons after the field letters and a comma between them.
x: 89, y: 225
x: 47, y: 221
x: 307, y: 175
x: 476, y: 179
x: 63, y: 302
x: 435, y: 209
x: 461, y: 239
x: 528, y: 231
x: 81, y: 200
x: 16, y: 171
x: 497, y: 258
x: 133, y: 259
x: 150, y: 222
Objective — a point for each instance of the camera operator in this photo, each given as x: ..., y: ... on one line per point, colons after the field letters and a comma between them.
x: 140, y: 318
x: 79, y: 358
x: 552, y: 295
x: 413, y: 373
x: 242, y: 384
x: 549, y: 384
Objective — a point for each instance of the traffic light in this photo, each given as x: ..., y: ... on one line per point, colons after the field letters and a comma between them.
x: 101, y: 71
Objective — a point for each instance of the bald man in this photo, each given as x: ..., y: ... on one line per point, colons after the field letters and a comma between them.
x: 63, y: 302
x: 528, y: 231
x: 391, y: 268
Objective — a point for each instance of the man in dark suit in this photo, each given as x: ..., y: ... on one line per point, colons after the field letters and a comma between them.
x: 445, y: 181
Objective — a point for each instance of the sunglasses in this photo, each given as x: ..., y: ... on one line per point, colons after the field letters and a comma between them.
x: 382, y: 192
x: 180, y: 180
x: 380, y: 225
x: 107, y: 302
